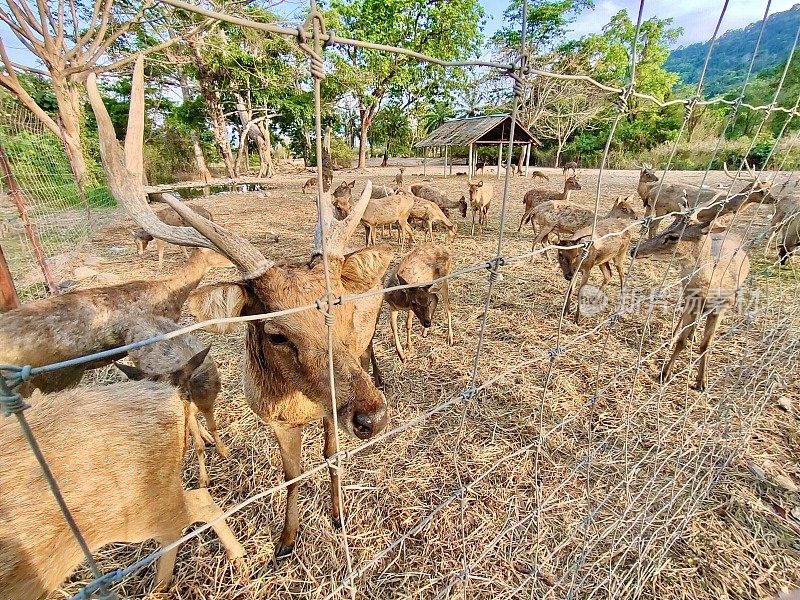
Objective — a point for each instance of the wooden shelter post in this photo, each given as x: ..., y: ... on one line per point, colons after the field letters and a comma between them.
x: 527, y: 158
x: 471, y: 162
x: 499, y: 158
x: 424, y: 160
x: 445, y: 162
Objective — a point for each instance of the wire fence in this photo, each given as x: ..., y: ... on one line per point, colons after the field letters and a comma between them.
x: 595, y: 482
x: 45, y: 218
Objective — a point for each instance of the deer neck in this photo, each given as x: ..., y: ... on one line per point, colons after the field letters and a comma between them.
x: 566, y: 194
x: 644, y: 188
x: 175, y: 290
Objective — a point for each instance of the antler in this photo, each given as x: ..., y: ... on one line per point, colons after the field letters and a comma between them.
x: 337, y: 233
x: 125, y: 171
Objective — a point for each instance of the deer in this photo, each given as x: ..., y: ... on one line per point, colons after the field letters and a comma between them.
x: 563, y: 217
x: 161, y: 361
x: 429, y: 213
x: 609, y: 243
x: 714, y: 268
x: 285, y: 370
x: 536, y: 197
x: 141, y: 238
x: 117, y: 453
x: 786, y: 207
x: 790, y: 241
x: 382, y: 191
x: 436, y: 196
x: 398, y: 179
x: 342, y: 198
x: 570, y: 166
x: 480, y: 199
x: 539, y: 175
x: 85, y: 321
x: 311, y: 183
x: 424, y: 263
x: 388, y: 210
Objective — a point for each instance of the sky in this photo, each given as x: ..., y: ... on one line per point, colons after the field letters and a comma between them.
x: 697, y: 18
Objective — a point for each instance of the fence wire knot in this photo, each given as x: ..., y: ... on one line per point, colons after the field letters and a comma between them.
x: 325, y: 305
x: 585, y: 247
x: 12, y: 403
x: 492, y: 266
x: 554, y: 352
x: 519, y: 86
x: 314, y: 18
x: 646, y: 223
x: 691, y: 104
x: 623, y: 102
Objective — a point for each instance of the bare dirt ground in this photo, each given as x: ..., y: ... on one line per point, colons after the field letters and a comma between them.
x: 586, y: 475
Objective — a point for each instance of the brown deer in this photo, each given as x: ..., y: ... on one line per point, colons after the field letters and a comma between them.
x: 535, y: 197
x: 434, y: 195
x: 162, y: 361
x: 342, y: 199
x: 714, y: 267
x: 570, y: 166
x: 790, y: 240
x: 723, y: 204
x: 609, y: 244
x: 311, y: 183
x: 383, y: 191
x: 786, y: 207
x: 285, y: 369
x: 398, y: 179
x: 141, y: 238
x: 563, y: 217
x: 429, y: 214
x: 117, y: 453
x: 424, y: 263
x: 540, y: 176
x: 481, y: 195
x: 82, y: 322
x: 386, y: 211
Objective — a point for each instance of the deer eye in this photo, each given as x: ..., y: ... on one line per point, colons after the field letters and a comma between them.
x: 277, y: 339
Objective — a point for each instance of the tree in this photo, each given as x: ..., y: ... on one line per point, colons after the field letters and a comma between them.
x: 69, y: 45
x: 548, y: 21
x: 392, y: 127
x: 446, y: 29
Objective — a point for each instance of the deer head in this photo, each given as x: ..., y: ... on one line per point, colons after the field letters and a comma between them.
x: 286, y: 355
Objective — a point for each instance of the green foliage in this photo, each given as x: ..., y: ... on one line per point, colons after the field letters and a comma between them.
x: 392, y: 128
x: 548, y: 21
x: 733, y: 51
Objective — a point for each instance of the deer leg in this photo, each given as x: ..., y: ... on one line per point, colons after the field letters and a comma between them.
x: 397, y: 346
x: 684, y: 332
x: 712, y: 324
x: 473, y: 222
x: 222, y: 449
x: 329, y: 450
x: 160, y: 244
x: 289, y: 441
x: 199, y: 445
x: 409, y: 323
x: 446, y: 302
x: 166, y: 562
x: 202, y: 509
x: 542, y: 235
x: 430, y: 230
x: 584, y: 281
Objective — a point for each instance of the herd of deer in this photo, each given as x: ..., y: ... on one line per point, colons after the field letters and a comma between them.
x: 117, y: 450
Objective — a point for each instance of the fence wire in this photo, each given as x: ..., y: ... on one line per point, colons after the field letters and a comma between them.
x: 600, y: 496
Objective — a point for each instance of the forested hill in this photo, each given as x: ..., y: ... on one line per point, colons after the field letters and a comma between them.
x: 734, y: 50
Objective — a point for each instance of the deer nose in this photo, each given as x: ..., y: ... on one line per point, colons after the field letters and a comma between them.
x: 362, y: 425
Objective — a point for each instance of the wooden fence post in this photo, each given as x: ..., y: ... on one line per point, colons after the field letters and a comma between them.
x: 16, y: 195
x: 8, y: 293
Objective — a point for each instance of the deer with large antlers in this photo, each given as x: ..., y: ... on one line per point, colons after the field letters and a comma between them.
x: 286, y: 372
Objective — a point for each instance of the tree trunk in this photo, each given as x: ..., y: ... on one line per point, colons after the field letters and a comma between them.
x: 385, y: 162
x: 242, y: 160
x: 211, y: 99
x: 558, y: 154
x: 266, y: 169
x: 367, y: 115
x: 199, y: 159
x: 69, y: 113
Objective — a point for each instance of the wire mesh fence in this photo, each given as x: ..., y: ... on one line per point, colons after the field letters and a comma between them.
x: 46, y: 218
x: 552, y: 467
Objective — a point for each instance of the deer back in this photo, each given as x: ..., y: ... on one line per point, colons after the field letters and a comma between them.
x: 382, y: 211
x: 117, y: 454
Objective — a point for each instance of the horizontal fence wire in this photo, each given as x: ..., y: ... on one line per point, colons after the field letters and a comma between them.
x: 686, y: 495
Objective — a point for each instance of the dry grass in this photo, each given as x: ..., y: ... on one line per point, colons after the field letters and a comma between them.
x: 643, y: 491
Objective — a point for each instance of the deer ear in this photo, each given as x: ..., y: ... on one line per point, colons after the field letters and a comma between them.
x: 364, y: 269
x: 132, y: 373
x: 197, y: 359
x: 352, y: 184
